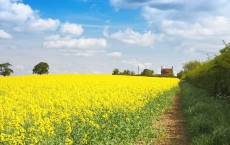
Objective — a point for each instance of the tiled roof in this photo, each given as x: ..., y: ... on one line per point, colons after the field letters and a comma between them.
x: 166, y: 70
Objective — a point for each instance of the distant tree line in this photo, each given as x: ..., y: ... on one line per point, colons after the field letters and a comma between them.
x: 116, y: 71
x: 40, y: 68
x: 212, y: 75
x: 145, y: 72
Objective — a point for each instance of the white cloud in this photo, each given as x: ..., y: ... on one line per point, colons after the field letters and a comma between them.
x: 128, y: 4
x: 210, y: 26
x: 45, y: 24
x: 132, y: 37
x: 18, y: 29
x: 189, y: 18
x: 15, y: 12
x: 198, y: 48
x: 53, y: 37
x: 23, y: 18
x: 82, y: 52
x: 68, y: 42
x: 163, y: 4
x: 114, y: 54
x: 136, y: 63
x: 153, y: 15
x: 4, y: 35
x: 218, y: 24
x: 177, y: 5
x: 186, y: 30
x: 71, y: 28
x: 86, y: 53
x: 202, y: 27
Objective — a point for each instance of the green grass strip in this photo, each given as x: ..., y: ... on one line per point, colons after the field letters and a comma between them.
x: 207, y: 118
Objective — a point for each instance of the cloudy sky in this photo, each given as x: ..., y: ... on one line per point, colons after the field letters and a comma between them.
x: 96, y: 36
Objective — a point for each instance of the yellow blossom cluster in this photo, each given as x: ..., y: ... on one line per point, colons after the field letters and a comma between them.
x: 47, y: 108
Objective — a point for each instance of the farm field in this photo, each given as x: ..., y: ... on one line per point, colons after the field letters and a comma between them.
x: 81, y: 109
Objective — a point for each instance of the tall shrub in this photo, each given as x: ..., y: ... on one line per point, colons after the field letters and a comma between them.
x: 213, y: 75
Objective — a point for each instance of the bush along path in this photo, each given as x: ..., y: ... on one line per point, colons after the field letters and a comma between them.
x: 207, y: 118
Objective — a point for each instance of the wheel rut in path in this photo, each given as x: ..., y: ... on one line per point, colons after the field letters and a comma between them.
x: 174, y: 124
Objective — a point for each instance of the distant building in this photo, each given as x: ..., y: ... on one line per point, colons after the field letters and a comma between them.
x: 166, y: 71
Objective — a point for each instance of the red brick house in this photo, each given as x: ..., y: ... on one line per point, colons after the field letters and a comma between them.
x: 166, y: 71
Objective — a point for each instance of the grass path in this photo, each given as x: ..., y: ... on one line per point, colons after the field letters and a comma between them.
x: 174, y: 124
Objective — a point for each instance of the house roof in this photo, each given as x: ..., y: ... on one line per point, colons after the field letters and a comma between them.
x: 166, y: 70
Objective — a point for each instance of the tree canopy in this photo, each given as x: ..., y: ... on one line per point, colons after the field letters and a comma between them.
x: 189, y: 66
x: 225, y: 49
x: 5, y: 70
x: 41, y: 68
x: 116, y: 71
x: 147, y: 72
x: 214, y: 74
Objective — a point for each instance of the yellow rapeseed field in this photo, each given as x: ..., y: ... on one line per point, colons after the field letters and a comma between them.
x: 74, y: 109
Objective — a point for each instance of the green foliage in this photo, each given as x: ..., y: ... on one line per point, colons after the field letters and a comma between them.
x: 41, y: 68
x: 225, y: 49
x: 126, y: 72
x: 147, y: 72
x: 207, y: 118
x: 213, y: 75
x: 171, y: 75
x: 5, y: 70
x: 116, y: 71
x: 181, y: 74
x: 122, y: 127
x: 132, y: 73
x: 191, y: 65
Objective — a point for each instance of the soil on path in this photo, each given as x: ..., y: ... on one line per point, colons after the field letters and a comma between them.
x: 174, y: 125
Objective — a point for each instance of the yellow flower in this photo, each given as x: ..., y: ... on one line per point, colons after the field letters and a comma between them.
x: 38, y: 108
x: 68, y: 141
x: 105, y: 116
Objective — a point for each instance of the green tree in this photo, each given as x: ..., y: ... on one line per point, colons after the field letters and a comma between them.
x: 225, y: 49
x: 116, y: 71
x: 213, y: 74
x: 5, y: 70
x: 181, y: 75
x: 147, y: 72
x: 126, y: 72
x: 189, y: 66
x: 41, y: 68
x: 132, y: 73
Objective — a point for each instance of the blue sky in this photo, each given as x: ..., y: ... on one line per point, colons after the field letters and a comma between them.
x: 96, y: 36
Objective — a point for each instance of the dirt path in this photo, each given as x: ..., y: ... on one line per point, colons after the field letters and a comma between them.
x: 173, y: 123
